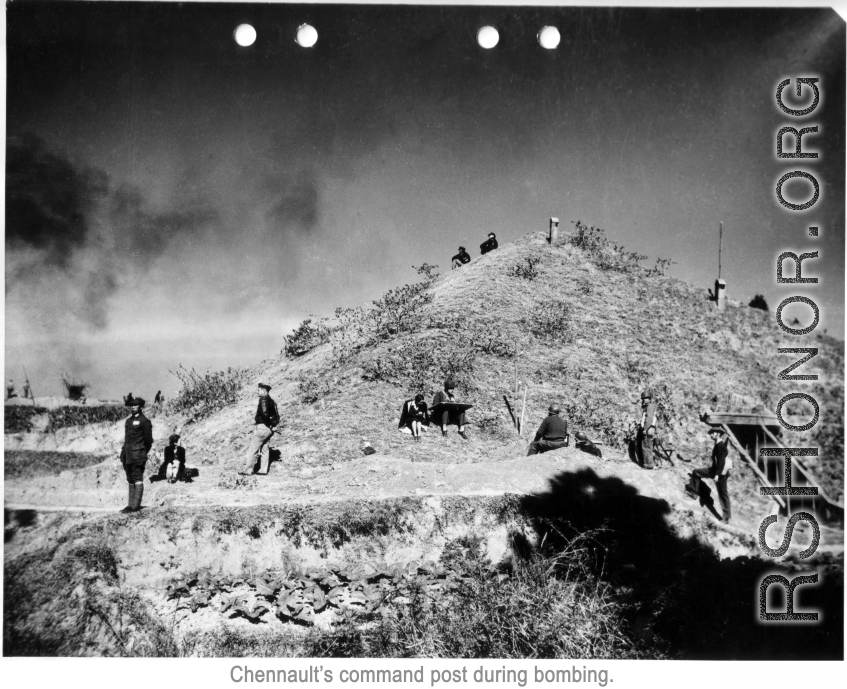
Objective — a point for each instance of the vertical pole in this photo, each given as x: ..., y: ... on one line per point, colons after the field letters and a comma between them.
x: 720, y: 249
x: 523, y: 409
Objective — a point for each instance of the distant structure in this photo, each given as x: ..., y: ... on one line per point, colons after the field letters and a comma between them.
x: 719, y: 296
x: 553, y: 236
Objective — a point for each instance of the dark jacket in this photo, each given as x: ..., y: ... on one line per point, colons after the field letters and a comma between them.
x: 719, y: 455
x: 138, y: 439
x: 410, y: 413
x: 462, y: 256
x: 488, y: 245
x: 553, y: 427
x: 266, y: 412
x: 589, y: 447
x: 169, y: 454
x: 648, y: 417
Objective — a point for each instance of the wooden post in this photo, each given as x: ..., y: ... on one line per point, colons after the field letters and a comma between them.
x: 523, y: 409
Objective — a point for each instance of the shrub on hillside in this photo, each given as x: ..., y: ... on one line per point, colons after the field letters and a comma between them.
x: 306, y: 337
x: 551, y: 320
x: 758, y: 302
x: 18, y: 419
x: 606, y: 254
x: 202, y: 396
x: 312, y: 388
x: 66, y: 417
x: 526, y: 270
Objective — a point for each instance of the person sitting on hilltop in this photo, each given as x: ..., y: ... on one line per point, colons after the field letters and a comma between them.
x: 461, y: 258
x: 584, y: 444
x: 489, y: 244
x: 447, y: 416
x: 551, y: 434
x: 414, y: 414
x: 172, y: 468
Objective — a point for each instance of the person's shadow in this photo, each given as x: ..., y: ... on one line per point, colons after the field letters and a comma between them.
x: 701, y: 606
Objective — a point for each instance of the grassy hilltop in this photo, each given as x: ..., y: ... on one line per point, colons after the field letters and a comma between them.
x: 586, y: 323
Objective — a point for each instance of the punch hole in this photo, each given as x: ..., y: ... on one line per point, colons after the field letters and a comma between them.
x: 549, y: 37
x: 487, y: 37
x: 245, y: 35
x: 813, y: 231
x: 307, y: 36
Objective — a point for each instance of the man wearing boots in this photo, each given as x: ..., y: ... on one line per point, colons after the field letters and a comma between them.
x: 552, y: 433
x: 646, y: 429
x: 719, y: 471
x: 266, y: 419
x: 138, y: 439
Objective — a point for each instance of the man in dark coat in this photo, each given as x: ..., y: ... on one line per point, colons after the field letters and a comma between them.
x: 489, y: 244
x: 446, y: 416
x: 551, y: 434
x: 173, y: 466
x: 647, y: 429
x: 718, y: 471
x: 584, y: 444
x: 461, y: 258
x: 266, y: 419
x: 138, y: 439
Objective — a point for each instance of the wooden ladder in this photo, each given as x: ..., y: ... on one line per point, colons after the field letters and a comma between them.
x: 755, y: 467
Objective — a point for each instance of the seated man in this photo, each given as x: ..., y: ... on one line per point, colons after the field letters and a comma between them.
x: 413, y: 415
x: 173, y: 466
x: 447, y: 416
x: 552, y: 433
x: 461, y: 258
x: 584, y: 444
x: 489, y: 244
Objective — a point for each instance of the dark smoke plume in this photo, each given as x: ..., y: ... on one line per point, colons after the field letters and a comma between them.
x: 48, y: 200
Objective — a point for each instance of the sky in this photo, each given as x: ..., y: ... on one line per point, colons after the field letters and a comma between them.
x: 173, y: 198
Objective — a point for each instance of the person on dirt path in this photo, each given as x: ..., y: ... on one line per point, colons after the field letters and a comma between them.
x: 583, y: 443
x: 718, y: 471
x: 449, y: 417
x: 489, y: 244
x: 172, y: 468
x: 266, y: 420
x: 138, y: 439
x: 646, y: 429
x: 551, y: 434
x: 460, y: 259
x: 414, y: 414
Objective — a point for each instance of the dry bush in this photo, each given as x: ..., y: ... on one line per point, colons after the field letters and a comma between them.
x: 202, y: 396
x: 551, y: 320
x: 526, y: 270
x: 306, y: 337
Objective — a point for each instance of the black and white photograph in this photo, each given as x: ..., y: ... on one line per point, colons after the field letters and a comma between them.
x: 371, y: 332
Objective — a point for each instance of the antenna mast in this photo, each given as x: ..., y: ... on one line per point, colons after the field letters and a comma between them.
x: 720, y: 249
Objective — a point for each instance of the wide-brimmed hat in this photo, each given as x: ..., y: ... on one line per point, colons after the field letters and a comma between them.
x: 265, y: 386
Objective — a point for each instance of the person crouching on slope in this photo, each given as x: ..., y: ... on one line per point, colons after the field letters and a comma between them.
x: 138, y: 439
x: 266, y: 419
x: 413, y: 415
x: 551, y: 434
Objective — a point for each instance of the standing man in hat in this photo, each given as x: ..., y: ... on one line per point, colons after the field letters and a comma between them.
x: 446, y: 395
x: 266, y: 419
x: 551, y: 434
x: 138, y: 439
x: 719, y: 471
x: 647, y: 428
x: 489, y: 244
x: 461, y: 258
